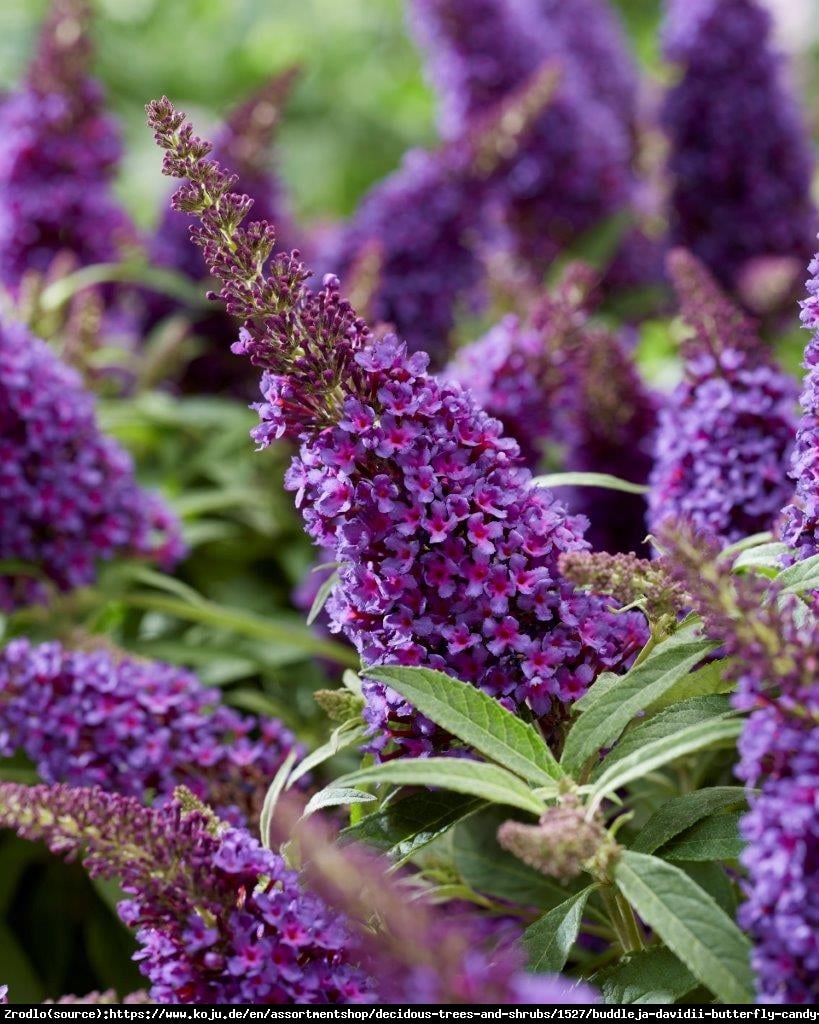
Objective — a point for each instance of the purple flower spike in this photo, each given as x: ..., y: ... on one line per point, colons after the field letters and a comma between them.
x: 726, y: 433
x: 60, y: 152
x: 141, y: 728
x: 800, y: 528
x: 69, y: 495
x: 741, y: 162
x: 447, y: 553
x: 772, y: 646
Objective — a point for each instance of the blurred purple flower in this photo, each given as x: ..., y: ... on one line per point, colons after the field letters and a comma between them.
x: 69, y: 495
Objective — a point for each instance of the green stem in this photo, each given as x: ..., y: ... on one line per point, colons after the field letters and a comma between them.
x: 627, y: 936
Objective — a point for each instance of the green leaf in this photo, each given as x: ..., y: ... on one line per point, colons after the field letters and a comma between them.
x: 159, y: 279
x: 682, y: 812
x: 342, y: 738
x: 800, y: 577
x: 404, y: 827
x: 754, y: 540
x: 714, y: 879
x: 709, y: 679
x: 487, y: 781
x: 764, y: 556
x: 605, y: 480
x: 549, y: 940
x: 714, y: 838
x: 690, y: 923
x: 651, y: 976
x: 291, y: 633
x: 474, y: 717
x: 488, y: 868
x: 602, y: 723
x: 602, y: 684
x: 336, y: 796
x: 320, y: 599
x: 666, y: 723
x: 25, y: 986
x: 651, y: 756
x: 271, y: 798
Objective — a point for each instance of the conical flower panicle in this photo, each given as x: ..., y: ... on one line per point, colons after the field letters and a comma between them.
x: 740, y: 161
x: 139, y: 728
x: 726, y: 433
x: 60, y: 152
x: 800, y: 527
x: 447, y: 554
x: 772, y: 649
x: 574, y: 170
x: 70, y: 499
x: 217, y: 918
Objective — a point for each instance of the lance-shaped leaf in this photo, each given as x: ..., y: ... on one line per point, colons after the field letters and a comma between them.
x: 680, y: 813
x: 650, y: 976
x: 690, y: 923
x: 474, y: 778
x: 601, y: 723
x: 474, y: 717
x: 549, y: 940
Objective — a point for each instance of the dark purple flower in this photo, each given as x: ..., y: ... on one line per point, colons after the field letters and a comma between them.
x: 141, y: 728
x: 726, y: 433
x: 771, y: 641
x: 390, y: 458
x: 574, y: 170
x: 218, y: 919
x: 60, y: 152
x: 561, y: 383
x: 741, y: 162
x: 69, y: 495
x: 800, y: 528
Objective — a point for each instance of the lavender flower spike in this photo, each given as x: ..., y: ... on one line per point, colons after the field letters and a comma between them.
x: 726, y: 433
x: 772, y: 649
x: 447, y: 554
x: 217, y: 918
x: 70, y: 499
x: 59, y: 155
x: 741, y: 162
x: 141, y: 728
x: 800, y: 528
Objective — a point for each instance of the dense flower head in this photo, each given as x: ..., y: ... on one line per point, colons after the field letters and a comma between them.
x: 60, y: 151
x: 98, y: 717
x: 575, y: 167
x: 557, y: 381
x: 726, y: 432
x: 740, y: 159
x: 772, y: 645
x: 800, y: 528
x: 244, y: 144
x: 70, y: 498
x: 218, y: 919
x: 447, y: 554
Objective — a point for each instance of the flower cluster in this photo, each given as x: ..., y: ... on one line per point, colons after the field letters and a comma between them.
x: 447, y: 554
x: 772, y: 646
x: 561, y: 382
x: 740, y: 163
x: 69, y: 494
x: 218, y: 918
x: 726, y: 433
x: 92, y: 718
x: 243, y: 144
x: 800, y: 528
x: 60, y: 151
x: 563, y: 844
x: 575, y: 167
